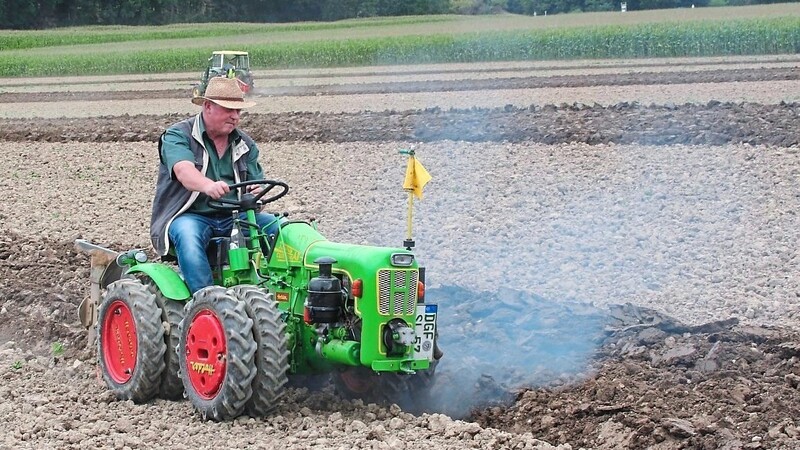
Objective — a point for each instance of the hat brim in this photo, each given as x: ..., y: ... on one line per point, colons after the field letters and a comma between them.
x: 230, y: 104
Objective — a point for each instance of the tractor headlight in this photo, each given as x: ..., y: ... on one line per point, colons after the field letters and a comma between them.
x: 140, y: 257
x: 402, y: 259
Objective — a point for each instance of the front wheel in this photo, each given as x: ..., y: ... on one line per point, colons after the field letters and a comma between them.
x: 409, y: 391
x: 217, y: 361
x: 130, y: 345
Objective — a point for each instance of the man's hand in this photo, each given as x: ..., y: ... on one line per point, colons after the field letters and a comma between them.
x: 215, y: 189
x: 255, y: 189
x: 193, y: 180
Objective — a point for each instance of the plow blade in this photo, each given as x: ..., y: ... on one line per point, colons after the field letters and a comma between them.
x: 104, y: 271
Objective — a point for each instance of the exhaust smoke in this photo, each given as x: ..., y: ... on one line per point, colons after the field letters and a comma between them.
x: 497, y: 342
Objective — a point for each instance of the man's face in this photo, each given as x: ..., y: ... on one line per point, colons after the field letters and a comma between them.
x: 219, y: 121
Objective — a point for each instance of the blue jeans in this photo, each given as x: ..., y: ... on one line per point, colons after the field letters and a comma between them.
x: 189, y: 235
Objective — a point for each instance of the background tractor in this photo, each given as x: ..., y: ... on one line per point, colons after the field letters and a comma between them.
x: 282, y: 305
x: 226, y: 63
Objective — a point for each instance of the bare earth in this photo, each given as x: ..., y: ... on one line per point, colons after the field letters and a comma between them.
x: 655, y: 199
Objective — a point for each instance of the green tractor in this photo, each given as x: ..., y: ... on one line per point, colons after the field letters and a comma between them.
x: 226, y: 63
x: 283, y: 305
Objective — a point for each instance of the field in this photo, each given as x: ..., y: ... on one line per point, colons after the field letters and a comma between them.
x: 644, y: 211
x: 728, y: 31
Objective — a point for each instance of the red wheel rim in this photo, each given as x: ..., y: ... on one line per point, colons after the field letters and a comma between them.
x: 206, y: 352
x: 120, y: 343
x: 356, y: 382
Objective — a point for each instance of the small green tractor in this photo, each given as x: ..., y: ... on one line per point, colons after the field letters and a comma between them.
x: 283, y: 305
x: 226, y: 63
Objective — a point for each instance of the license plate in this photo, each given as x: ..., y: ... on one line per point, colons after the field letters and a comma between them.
x: 425, y: 331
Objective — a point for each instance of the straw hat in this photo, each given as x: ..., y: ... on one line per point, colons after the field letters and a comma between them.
x: 225, y: 92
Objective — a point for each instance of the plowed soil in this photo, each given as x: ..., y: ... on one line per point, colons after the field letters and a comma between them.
x: 617, y: 268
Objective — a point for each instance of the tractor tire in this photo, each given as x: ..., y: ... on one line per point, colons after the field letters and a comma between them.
x: 171, y: 387
x: 356, y: 383
x: 408, y: 391
x: 272, y: 354
x: 130, y: 344
x: 196, y: 92
x: 217, y: 364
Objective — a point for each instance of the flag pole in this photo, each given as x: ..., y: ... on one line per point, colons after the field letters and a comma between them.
x: 408, y: 243
x: 416, y: 179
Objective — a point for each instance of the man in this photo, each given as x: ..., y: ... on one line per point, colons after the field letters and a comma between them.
x: 230, y: 70
x: 200, y: 157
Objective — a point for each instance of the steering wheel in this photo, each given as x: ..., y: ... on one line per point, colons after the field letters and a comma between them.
x: 249, y: 201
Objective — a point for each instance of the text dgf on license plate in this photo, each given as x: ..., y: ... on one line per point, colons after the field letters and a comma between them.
x: 425, y: 331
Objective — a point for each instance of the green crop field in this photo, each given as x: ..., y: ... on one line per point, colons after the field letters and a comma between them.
x: 751, y: 30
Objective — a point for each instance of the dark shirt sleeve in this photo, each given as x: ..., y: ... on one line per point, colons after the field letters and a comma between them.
x: 175, y: 148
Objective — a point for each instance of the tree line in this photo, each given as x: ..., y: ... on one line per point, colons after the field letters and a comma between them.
x: 42, y: 14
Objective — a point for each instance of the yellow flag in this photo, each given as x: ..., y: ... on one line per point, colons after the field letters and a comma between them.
x: 416, y: 177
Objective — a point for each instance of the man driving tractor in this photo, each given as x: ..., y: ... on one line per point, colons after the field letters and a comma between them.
x: 200, y: 157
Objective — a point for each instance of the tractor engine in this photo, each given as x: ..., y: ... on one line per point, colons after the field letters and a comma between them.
x: 329, y: 310
x: 325, y: 296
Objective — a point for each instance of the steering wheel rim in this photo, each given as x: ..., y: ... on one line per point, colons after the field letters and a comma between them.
x: 223, y: 204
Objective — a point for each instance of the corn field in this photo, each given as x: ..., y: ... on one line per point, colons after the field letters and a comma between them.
x: 434, y: 39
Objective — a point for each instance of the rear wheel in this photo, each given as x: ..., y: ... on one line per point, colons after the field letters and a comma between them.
x: 217, y: 362
x: 171, y: 387
x: 272, y: 355
x: 130, y: 345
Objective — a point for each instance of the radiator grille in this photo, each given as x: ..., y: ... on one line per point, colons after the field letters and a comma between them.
x: 397, y: 291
